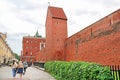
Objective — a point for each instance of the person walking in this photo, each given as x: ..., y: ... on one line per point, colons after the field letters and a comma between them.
x: 14, y: 68
x: 25, y: 66
x: 20, y: 68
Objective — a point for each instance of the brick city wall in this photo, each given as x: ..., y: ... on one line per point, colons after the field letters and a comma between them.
x: 99, y: 42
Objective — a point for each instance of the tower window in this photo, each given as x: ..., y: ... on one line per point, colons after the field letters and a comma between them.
x: 57, y: 22
x: 57, y: 40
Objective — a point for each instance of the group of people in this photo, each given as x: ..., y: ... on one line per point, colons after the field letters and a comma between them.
x: 19, y: 67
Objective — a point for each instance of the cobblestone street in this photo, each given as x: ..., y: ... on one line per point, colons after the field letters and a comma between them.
x: 31, y: 74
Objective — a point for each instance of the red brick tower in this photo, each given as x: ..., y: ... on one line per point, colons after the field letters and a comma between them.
x: 56, y: 33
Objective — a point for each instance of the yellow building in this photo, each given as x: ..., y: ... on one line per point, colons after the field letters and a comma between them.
x: 6, y: 53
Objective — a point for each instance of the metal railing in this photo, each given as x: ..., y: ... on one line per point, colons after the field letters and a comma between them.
x: 115, y: 71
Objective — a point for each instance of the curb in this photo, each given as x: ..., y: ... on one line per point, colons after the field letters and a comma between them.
x: 39, y: 68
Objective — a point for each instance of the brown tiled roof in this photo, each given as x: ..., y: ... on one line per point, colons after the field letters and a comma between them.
x: 57, y: 12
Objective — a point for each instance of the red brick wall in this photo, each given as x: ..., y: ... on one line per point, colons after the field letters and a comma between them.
x: 99, y: 42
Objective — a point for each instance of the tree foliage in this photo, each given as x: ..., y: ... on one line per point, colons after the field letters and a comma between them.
x: 17, y: 56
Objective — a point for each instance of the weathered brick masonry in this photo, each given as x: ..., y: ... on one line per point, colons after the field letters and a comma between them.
x: 99, y: 42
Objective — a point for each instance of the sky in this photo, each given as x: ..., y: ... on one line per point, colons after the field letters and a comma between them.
x: 20, y: 18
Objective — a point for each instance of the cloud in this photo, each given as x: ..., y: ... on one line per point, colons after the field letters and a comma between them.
x: 3, y: 28
x: 17, y: 19
x: 15, y: 41
x: 14, y: 36
x: 20, y: 18
x: 109, y: 3
x: 86, y: 12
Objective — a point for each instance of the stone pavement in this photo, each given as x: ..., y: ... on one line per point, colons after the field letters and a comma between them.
x: 31, y: 74
x: 15, y: 79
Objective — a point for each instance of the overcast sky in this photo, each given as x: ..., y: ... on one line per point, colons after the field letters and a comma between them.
x: 20, y: 18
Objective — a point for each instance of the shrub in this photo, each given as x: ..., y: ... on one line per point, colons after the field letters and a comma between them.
x: 78, y: 71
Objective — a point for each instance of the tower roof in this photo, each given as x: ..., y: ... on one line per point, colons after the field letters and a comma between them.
x: 57, y: 12
x: 37, y: 34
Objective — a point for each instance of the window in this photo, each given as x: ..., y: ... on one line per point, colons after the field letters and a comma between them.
x: 57, y: 22
x: 31, y: 53
x: 57, y: 40
x: 26, y: 47
x: 27, y: 41
x: 26, y: 53
x: 42, y: 45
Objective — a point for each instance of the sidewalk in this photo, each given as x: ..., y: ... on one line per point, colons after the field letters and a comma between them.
x: 16, y: 79
x: 31, y: 74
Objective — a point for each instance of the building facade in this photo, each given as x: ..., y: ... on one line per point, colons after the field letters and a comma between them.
x: 31, y: 45
x: 6, y: 53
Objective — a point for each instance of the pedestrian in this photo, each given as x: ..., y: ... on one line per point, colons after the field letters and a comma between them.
x: 14, y: 68
x: 20, y: 68
x: 25, y: 66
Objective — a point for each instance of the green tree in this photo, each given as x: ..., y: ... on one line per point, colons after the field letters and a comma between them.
x: 17, y: 56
